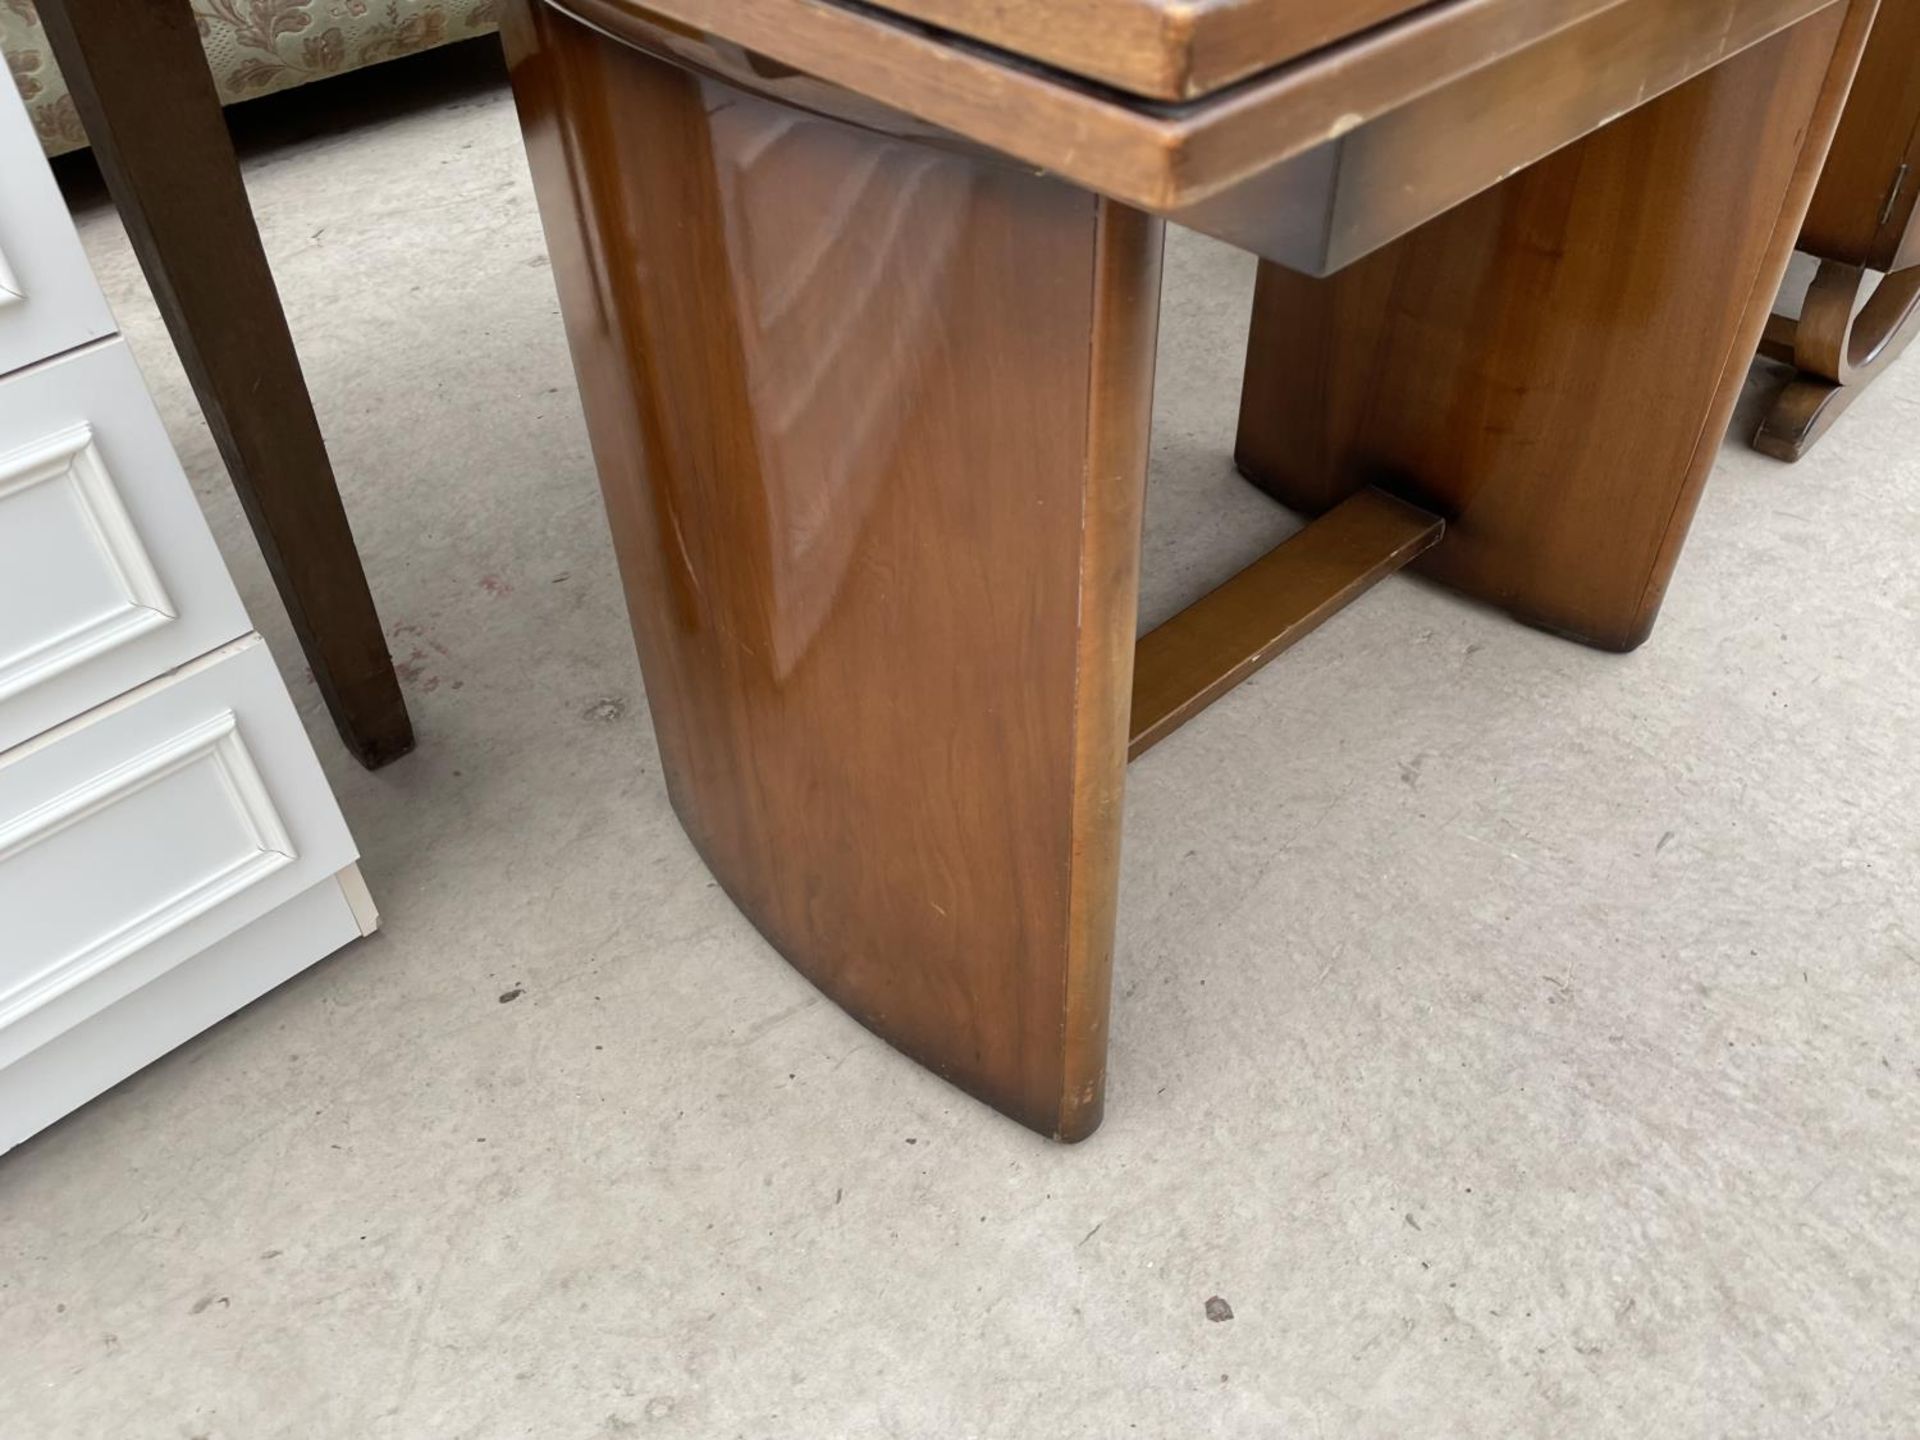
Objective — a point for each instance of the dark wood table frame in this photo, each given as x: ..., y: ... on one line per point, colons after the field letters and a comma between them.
x: 140, y: 82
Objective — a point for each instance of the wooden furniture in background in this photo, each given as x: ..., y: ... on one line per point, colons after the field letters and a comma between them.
x: 864, y: 322
x: 140, y: 81
x: 1862, y: 226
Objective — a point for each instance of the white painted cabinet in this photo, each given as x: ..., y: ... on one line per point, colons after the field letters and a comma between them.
x: 48, y: 300
x: 169, y: 849
x: 108, y: 575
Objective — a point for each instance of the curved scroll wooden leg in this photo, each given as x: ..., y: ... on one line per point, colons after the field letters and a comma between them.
x: 1839, y: 347
x: 1551, y: 366
x: 871, y: 420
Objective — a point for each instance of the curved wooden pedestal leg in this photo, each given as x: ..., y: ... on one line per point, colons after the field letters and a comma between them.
x: 1838, y: 352
x: 871, y: 419
x: 1551, y: 366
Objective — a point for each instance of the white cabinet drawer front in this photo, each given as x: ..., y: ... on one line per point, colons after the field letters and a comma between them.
x: 132, y: 839
x: 108, y: 574
x: 173, y: 831
x: 60, y: 1076
x: 48, y: 299
x: 77, y: 581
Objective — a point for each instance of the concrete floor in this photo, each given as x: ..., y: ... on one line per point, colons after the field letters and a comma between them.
x: 1520, y: 1039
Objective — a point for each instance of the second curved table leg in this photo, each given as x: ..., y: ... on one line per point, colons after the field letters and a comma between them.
x: 1552, y: 365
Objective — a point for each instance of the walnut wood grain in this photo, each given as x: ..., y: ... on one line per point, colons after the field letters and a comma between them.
x: 871, y: 422
x: 1187, y: 663
x: 1551, y: 366
x: 1183, y: 161
x: 1324, y: 209
x: 1862, y: 212
x: 869, y: 400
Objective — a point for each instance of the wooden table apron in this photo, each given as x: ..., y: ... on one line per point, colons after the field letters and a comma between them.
x: 870, y: 406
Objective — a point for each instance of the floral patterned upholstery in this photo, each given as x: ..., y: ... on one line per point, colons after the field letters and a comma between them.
x: 254, y: 46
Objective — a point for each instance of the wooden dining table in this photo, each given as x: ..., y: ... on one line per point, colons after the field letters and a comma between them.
x: 863, y: 298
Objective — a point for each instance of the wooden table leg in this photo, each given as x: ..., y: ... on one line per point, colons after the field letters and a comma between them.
x: 1839, y: 348
x: 140, y: 82
x: 871, y: 420
x: 1551, y: 367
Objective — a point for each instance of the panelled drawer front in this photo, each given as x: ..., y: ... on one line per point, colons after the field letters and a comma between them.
x: 48, y: 299
x: 108, y: 574
x: 133, y: 838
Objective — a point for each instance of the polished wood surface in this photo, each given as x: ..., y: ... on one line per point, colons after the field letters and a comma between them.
x: 867, y: 364
x: 1186, y: 664
x: 1839, y: 346
x: 1551, y: 366
x: 1862, y: 220
x: 871, y: 422
x: 1171, y: 49
x: 1863, y: 211
x: 1835, y: 335
x: 140, y: 82
x: 1443, y: 102
x: 1324, y: 209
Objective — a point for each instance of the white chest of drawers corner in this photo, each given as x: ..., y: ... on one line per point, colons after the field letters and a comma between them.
x: 169, y: 848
